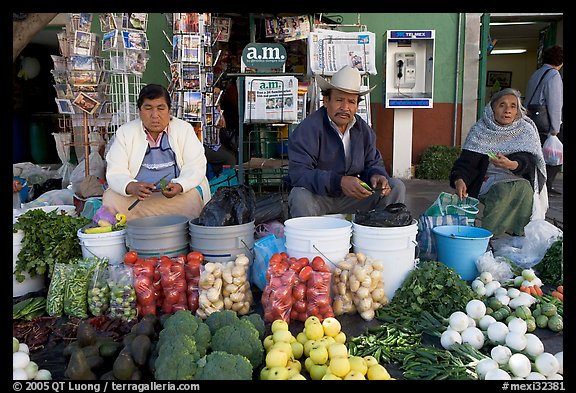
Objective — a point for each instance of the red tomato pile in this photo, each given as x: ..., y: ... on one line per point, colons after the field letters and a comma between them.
x: 296, y: 289
x: 165, y: 283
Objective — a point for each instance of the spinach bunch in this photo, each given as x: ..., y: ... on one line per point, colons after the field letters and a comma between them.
x: 551, y: 268
x: 49, y: 237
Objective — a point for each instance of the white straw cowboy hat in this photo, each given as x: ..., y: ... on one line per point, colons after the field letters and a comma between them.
x: 347, y: 79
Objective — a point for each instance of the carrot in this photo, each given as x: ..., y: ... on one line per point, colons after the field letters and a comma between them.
x: 524, y: 289
x: 560, y: 289
x: 538, y: 290
x: 558, y: 295
x: 533, y: 290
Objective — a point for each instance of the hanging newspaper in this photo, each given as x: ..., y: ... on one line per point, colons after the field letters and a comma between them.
x: 271, y: 99
x: 330, y: 50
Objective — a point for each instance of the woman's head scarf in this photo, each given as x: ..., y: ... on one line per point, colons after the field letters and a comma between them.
x: 489, y: 136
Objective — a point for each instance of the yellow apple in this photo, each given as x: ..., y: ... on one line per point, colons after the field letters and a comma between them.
x: 326, y: 341
x: 278, y: 373
x: 377, y: 372
x: 331, y: 326
x: 294, y: 364
x: 268, y: 342
x: 292, y: 371
x: 329, y: 376
x: 314, y: 331
x: 370, y: 360
x: 339, y: 366
x: 284, y: 347
x: 317, y: 371
x: 337, y: 350
x: 301, y: 338
x: 308, y: 363
x: 319, y: 354
x: 297, y: 377
x: 297, y: 349
x: 279, y: 324
x: 264, y: 373
x: 308, y: 346
x: 359, y: 364
x: 340, y: 338
x: 282, y: 336
x: 311, y: 319
x: 276, y: 358
x: 354, y: 375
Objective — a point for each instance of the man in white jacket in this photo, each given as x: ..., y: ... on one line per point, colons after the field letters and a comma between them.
x: 156, y: 146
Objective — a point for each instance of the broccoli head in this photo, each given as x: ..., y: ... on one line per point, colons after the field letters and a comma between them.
x: 220, y: 318
x: 258, y: 323
x: 219, y: 365
x: 177, y: 356
x: 240, y: 338
x: 183, y: 322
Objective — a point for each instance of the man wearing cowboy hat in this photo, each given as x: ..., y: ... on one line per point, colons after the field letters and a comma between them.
x: 333, y: 150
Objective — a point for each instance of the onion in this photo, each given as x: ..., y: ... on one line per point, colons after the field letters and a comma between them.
x: 516, y: 341
x: 476, y: 309
x: 535, y: 376
x: 43, y: 375
x: 473, y: 336
x: 555, y: 376
x: 491, y: 287
x: 560, y: 357
x: 484, y: 366
x: 20, y: 360
x: 449, y: 338
x: 519, y: 364
x: 19, y: 374
x: 486, y: 321
x: 534, y: 345
x: 458, y: 321
x: 497, y: 375
x: 547, y: 364
x: 497, y: 332
x: 486, y: 277
x: 501, y: 354
x: 518, y: 325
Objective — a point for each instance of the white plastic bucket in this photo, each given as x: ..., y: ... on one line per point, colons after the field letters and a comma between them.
x: 222, y: 243
x: 111, y: 245
x: 156, y: 236
x: 327, y: 237
x: 395, y: 247
x: 30, y: 284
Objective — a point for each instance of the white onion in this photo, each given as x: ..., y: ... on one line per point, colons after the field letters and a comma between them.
x: 497, y: 375
x: 20, y: 360
x: 497, y: 332
x: 43, y: 375
x: 449, y: 338
x: 534, y: 345
x: 547, y: 364
x: 473, y: 336
x: 555, y: 376
x: 515, y: 341
x: 535, y: 376
x: 513, y: 292
x: 19, y: 374
x: 501, y: 354
x: 475, y: 309
x: 560, y: 357
x: 31, y: 370
x: 518, y: 325
x: 486, y: 277
x: 484, y: 366
x: 491, y: 287
x: 519, y: 365
x: 458, y: 321
x: 486, y: 321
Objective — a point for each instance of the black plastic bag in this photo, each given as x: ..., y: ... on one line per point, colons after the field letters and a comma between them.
x: 394, y: 215
x: 230, y: 205
x: 269, y: 207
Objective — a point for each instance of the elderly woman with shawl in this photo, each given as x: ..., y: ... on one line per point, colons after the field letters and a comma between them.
x: 501, y: 164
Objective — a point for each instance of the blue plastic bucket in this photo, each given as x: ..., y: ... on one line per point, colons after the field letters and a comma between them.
x: 459, y: 246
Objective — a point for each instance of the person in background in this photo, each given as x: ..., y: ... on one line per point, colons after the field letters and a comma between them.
x: 16, y: 185
x: 150, y: 148
x: 221, y: 154
x: 502, y: 165
x: 550, y: 93
x: 332, y: 151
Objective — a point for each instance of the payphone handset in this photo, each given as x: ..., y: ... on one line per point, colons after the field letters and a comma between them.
x: 405, y: 66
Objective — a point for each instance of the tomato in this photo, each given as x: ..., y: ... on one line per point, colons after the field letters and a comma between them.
x: 146, y: 297
x: 304, y: 261
x: 299, y: 306
x: 179, y: 306
x: 319, y: 265
x: 194, y: 256
x: 299, y: 291
x: 130, y: 257
x: 171, y: 296
x: 305, y: 273
x: 147, y: 309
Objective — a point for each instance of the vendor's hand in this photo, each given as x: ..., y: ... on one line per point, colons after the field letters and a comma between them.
x: 140, y: 189
x: 16, y: 186
x: 461, y: 189
x: 502, y: 161
x: 172, y: 189
x: 379, y: 182
x: 351, y: 187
